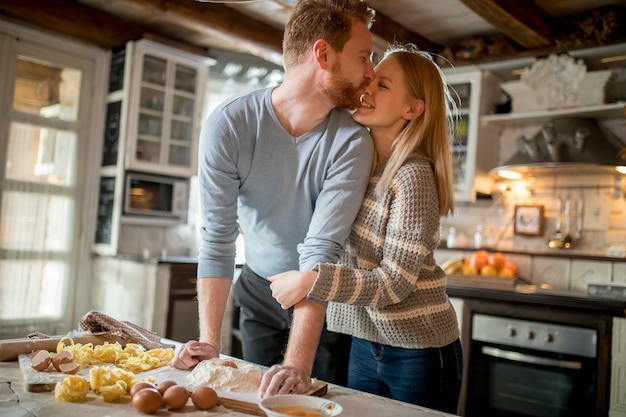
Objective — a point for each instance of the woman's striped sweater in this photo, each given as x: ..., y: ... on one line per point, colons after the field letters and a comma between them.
x: 387, y: 287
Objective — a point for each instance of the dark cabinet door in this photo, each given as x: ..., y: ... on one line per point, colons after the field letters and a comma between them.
x: 182, y: 315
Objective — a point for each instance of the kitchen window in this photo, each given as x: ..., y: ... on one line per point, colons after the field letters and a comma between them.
x: 48, y: 116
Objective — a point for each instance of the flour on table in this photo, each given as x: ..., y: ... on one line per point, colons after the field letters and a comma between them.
x: 245, y: 378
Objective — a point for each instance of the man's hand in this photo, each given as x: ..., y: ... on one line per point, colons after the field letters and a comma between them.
x: 192, y: 353
x: 294, y: 375
x: 280, y: 379
x: 212, y: 298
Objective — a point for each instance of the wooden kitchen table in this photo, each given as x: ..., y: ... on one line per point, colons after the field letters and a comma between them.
x: 15, y: 401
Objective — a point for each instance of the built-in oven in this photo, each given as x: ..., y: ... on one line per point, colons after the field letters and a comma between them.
x: 523, y: 368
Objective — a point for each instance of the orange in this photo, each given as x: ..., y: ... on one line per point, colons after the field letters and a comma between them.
x: 506, y: 272
x: 489, y: 270
x: 510, y: 265
x: 469, y: 270
x: 479, y: 260
x: 482, y: 255
x: 497, y: 260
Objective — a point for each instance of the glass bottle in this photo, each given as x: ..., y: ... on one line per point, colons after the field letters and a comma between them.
x: 451, y: 239
x: 478, y: 237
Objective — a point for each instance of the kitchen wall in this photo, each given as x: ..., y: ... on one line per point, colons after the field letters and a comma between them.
x: 603, y: 215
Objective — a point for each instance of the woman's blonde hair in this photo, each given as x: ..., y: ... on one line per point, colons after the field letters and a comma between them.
x: 430, y: 134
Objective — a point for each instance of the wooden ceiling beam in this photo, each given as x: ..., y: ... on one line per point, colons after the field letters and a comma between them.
x: 221, y: 22
x: 523, y: 22
x: 201, y: 24
x: 73, y: 20
x: 392, y: 32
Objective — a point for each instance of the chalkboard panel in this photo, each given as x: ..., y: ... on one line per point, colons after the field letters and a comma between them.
x: 104, y: 221
x: 111, y: 142
x: 116, y: 75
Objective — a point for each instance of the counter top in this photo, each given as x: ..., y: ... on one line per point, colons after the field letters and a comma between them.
x: 523, y: 294
x: 178, y: 260
x: 153, y: 259
x: 573, y: 254
x: 17, y: 402
x: 580, y: 301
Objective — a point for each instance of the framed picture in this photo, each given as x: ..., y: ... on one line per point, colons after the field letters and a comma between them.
x: 529, y: 220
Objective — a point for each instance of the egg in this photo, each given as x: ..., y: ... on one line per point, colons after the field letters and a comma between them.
x: 63, y: 356
x: 175, y: 397
x: 40, y: 360
x: 164, y: 385
x: 226, y: 362
x: 69, y: 368
x: 138, y: 386
x: 147, y: 400
x: 204, y: 398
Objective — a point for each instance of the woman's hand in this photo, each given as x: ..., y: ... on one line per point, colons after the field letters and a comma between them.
x: 292, y: 286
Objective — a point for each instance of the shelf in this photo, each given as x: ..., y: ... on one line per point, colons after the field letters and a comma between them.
x: 153, y: 86
x: 149, y: 138
x: 604, y: 111
x: 151, y: 112
x: 180, y: 143
x: 179, y: 118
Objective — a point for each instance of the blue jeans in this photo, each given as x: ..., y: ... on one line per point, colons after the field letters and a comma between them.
x: 426, y: 377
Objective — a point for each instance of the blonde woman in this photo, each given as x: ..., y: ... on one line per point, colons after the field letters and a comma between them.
x: 387, y: 291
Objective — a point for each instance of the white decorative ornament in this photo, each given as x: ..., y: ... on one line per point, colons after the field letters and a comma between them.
x: 555, y: 80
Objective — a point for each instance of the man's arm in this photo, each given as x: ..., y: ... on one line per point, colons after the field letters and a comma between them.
x: 212, y: 298
x: 294, y: 375
x: 306, y: 328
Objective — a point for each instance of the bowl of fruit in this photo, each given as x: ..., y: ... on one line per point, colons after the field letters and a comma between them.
x: 483, y: 267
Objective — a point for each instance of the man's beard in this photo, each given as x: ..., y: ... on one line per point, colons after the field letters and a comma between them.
x: 340, y: 90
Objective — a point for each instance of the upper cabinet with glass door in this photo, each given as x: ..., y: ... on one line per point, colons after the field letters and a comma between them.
x: 165, y: 109
x: 473, y: 146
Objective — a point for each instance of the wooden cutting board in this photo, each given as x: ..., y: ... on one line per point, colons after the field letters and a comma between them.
x: 245, y: 402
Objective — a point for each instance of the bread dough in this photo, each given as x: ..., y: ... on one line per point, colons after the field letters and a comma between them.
x: 245, y: 378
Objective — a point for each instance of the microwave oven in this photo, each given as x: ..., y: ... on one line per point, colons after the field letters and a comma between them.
x: 155, y: 196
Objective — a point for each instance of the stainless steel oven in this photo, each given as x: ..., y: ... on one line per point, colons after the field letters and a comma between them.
x: 156, y: 196
x: 529, y: 368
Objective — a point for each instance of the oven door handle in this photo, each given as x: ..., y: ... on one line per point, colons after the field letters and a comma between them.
x: 522, y: 357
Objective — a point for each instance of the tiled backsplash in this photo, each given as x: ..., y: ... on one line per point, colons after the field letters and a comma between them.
x: 157, y: 241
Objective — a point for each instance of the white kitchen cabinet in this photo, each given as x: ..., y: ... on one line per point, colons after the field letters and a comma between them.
x: 154, y: 113
x: 458, y: 304
x: 472, y: 149
x: 618, y: 353
x: 132, y: 291
x: 165, y: 110
x: 155, y: 109
x: 618, y: 369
